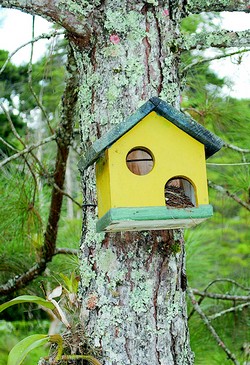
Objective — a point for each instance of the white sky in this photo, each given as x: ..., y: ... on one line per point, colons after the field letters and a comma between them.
x: 238, y: 73
x: 16, y: 28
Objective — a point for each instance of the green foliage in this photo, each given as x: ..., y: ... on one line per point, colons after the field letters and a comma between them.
x: 232, y: 329
x: 25, y: 200
x: 27, y: 299
x: 200, y: 22
x: 218, y: 247
x: 19, y: 352
x: 6, y: 133
x: 13, y: 332
x: 21, y: 349
x: 20, y: 223
x: 25, y: 190
x: 47, y: 81
x: 71, y: 283
x: 13, y: 78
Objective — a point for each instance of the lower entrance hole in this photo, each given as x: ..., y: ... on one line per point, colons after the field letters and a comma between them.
x: 179, y: 193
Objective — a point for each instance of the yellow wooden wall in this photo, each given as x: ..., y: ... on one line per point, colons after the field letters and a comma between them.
x: 175, y: 153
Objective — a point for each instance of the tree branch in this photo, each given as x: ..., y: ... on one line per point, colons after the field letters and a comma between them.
x: 29, y: 149
x: 69, y: 15
x: 235, y: 148
x: 227, y: 280
x: 196, y: 6
x: 67, y: 195
x: 13, y: 129
x: 22, y: 280
x: 220, y: 39
x: 228, y: 193
x: 64, y: 137
x: 198, y: 309
x: 66, y: 251
x: 42, y: 36
x: 26, y: 150
x: 221, y: 296
x: 229, y: 310
x: 8, y: 145
x: 34, y: 179
x: 218, y: 57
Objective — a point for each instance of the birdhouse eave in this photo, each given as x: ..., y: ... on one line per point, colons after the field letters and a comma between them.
x: 184, y: 122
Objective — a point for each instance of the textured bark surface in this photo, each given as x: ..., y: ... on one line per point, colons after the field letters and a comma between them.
x: 197, y: 6
x: 134, y: 305
x: 133, y: 284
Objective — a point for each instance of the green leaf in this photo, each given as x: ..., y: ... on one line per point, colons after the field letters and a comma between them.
x: 27, y: 299
x: 22, y: 348
x: 71, y: 283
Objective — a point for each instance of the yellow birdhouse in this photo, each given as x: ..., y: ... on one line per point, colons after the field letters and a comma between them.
x: 151, y: 171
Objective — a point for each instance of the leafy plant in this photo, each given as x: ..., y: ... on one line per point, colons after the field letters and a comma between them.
x: 22, y: 348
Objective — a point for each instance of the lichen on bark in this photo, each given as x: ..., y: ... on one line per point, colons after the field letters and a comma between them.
x: 140, y: 313
x: 198, y: 6
x: 219, y: 39
x: 133, y: 303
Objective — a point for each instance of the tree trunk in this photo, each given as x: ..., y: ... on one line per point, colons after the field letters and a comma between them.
x: 132, y: 284
x: 133, y: 295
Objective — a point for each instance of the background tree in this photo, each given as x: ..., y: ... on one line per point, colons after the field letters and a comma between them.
x: 119, y: 56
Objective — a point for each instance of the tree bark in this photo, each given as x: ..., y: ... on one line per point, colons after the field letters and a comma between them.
x: 133, y: 284
x: 134, y: 307
x: 197, y: 6
x: 220, y: 39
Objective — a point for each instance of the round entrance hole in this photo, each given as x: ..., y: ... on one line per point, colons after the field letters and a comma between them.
x: 140, y: 161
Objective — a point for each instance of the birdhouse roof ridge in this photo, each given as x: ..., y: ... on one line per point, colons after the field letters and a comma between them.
x: 184, y: 122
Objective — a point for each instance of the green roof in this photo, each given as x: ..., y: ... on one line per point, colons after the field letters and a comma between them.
x: 211, y: 142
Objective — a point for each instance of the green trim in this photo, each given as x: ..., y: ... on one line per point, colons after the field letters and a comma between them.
x: 143, y: 218
x: 211, y: 142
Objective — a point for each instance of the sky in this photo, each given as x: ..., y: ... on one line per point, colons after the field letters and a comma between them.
x: 239, y: 74
x: 16, y: 28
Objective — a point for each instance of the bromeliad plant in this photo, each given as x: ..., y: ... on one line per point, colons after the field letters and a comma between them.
x: 22, y: 348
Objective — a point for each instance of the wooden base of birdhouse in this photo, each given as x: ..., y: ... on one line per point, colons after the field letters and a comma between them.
x: 152, y: 218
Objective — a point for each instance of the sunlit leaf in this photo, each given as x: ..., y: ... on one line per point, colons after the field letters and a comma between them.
x: 67, y: 281
x: 27, y: 299
x: 22, y: 348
